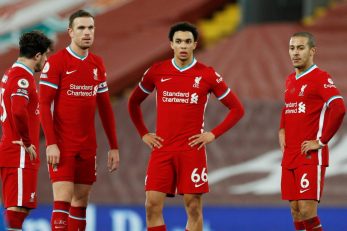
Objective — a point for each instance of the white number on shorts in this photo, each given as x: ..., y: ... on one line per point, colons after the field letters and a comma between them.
x: 195, y: 177
x: 304, y: 182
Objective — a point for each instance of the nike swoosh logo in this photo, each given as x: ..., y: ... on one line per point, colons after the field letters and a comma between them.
x: 198, y: 185
x: 164, y: 80
x: 70, y: 72
x: 302, y: 191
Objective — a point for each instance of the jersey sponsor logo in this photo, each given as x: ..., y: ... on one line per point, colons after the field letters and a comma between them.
x: 43, y: 76
x: 82, y: 90
x: 46, y: 68
x: 303, y: 87
x: 330, y: 84
x: 197, y: 81
x: 304, y: 190
x: 164, y: 80
x: 295, y: 107
x: 32, y: 197
x: 199, y: 185
x: 70, y: 72
x: 180, y: 97
x: 23, y: 83
x: 22, y: 91
x: 4, y: 78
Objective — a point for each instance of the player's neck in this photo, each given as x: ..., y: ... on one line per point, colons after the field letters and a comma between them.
x: 27, y: 62
x: 79, y: 51
x: 183, y: 63
x: 303, y: 69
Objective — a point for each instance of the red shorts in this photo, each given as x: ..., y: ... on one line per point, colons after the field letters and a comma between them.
x: 185, y: 171
x: 303, y: 183
x: 19, y: 187
x: 77, y: 167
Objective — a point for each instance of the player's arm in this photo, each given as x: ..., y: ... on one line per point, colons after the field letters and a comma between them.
x: 335, y: 114
x: 281, y: 132
x: 236, y: 111
x: 49, y: 84
x: 109, y: 125
x: 134, y: 106
x: 19, y: 103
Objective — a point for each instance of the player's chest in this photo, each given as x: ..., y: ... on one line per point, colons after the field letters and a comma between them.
x: 192, y: 83
x: 300, y: 90
x: 80, y: 73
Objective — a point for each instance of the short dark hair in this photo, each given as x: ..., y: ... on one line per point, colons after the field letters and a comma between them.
x: 79, y: 14
x: 33, y: 42
x: 311, y: 40
x: 183, y: 26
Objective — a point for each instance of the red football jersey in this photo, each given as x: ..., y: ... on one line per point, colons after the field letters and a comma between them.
x: 77, y: 81
x: 307, y: 97
x: 18, y: 81
x: 182, y: 95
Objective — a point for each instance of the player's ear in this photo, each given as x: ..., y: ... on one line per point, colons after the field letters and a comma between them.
x: 37, y: 55
x: 172, y: 45
x: 195, y: 44
x: 69, y: 30
x: 313, y: 51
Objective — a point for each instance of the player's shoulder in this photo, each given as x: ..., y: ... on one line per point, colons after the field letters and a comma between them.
x: 206, y: 71
x: 58, y: 57
x: 321, y: 73
x: 161, y: 64
x: 17, y: 76
x: 95, y: 57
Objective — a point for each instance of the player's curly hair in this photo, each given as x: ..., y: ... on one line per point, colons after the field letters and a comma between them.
x: 33, y: 42
x: 183, y: 26
x: 311, y: 40
x: 79, y: 14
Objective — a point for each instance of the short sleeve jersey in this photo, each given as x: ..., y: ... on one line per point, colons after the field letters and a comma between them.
x: 18, y: 81
x: 307, y: 98
x: 77, y: 80
x: 182, y: 95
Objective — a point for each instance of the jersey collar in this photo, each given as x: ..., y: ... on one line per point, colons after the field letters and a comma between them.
x: 25, y: 67
x: 74, y: 54
x: 311, y: 68
x: 181, y: 69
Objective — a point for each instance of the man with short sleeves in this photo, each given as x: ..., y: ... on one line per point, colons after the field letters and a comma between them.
x: 19, y: 115
x: 313, y: 112
x: 73, y: 84
x: 178, y: 161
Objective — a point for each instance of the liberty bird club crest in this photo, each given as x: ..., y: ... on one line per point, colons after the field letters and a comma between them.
x: 303, y: 87
x: 95, y: 72
x: 197, y: 81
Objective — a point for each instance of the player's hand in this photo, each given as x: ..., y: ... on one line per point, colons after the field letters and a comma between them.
x: 152, y: 140
x: 309, y: 145
x: 201, y: 139
x: 53, y: 154
x: 113, y: 160
x: 31, y: 149
x: 282, y: 139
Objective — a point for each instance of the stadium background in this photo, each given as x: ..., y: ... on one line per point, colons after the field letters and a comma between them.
x: 246, y: 41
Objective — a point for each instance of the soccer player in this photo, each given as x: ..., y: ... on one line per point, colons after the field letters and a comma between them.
x: 73, y: 83
x: 178, y: 160
x: 313, y: 112
x: 19, y: 115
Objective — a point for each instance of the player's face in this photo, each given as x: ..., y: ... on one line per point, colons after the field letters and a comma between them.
x: 300, y: 52
x: 40, y: 61
x: 183, y: 45
x: 82, y: 32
